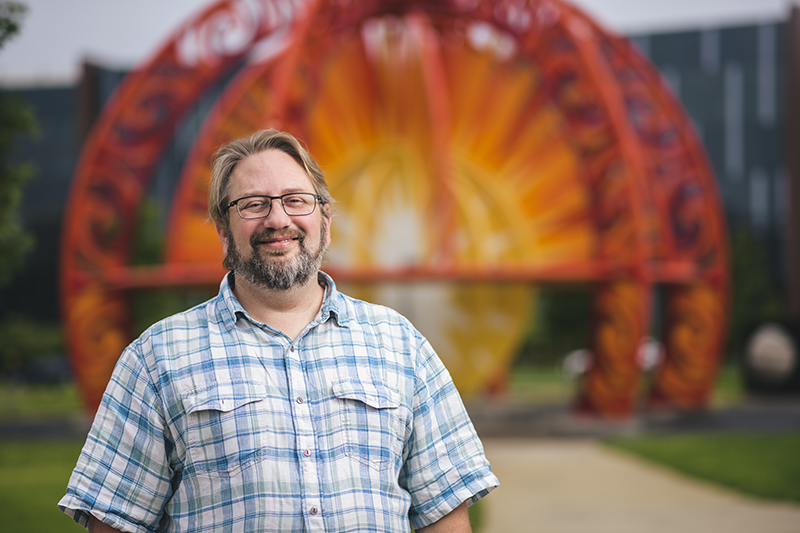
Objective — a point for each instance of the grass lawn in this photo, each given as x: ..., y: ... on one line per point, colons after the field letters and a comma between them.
x: 549, y: 384
x: 540, y: 384
x: 766, y: 465
x: 33, y: 477
x: 22, y: 402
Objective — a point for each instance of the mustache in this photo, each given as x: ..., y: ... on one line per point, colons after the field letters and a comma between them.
x: 272, y: 234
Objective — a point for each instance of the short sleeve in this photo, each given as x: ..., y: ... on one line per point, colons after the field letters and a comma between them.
x: 123, y: 476
x: 446, y: 465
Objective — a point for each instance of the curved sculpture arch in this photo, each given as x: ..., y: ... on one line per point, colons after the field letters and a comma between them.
x: 475, y: 148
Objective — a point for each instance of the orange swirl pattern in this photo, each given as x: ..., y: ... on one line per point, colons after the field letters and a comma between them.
x: 475, y: 148
x: 686, y: 377
x: 621, y: 312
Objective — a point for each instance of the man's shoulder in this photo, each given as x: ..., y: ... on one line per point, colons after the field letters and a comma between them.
x: 196, y: 318
x: 364, y: 312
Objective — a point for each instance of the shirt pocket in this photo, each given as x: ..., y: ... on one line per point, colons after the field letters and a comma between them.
x: 223, y: 436
x: 370, y: 416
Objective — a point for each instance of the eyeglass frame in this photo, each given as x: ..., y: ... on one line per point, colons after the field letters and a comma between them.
x: 317, y: 197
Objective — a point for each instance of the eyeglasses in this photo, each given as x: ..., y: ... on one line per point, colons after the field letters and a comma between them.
x: 295, y: 204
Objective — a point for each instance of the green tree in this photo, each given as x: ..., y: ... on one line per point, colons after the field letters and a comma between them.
x: 757, y: 297
x: 16, y: 122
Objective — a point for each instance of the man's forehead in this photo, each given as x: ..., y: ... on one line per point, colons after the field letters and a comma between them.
x: 274, y: 169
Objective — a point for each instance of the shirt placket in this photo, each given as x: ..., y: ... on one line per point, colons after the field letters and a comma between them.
x: 306, y: 448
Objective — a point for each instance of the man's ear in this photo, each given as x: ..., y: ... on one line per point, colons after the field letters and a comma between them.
x: 223, y: 237
x: 328, y: 220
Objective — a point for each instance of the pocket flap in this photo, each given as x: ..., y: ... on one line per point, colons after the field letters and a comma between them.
x: 375, y: 395
x: 224, y: 396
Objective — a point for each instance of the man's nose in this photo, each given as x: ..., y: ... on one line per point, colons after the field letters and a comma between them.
x: 277, y: 217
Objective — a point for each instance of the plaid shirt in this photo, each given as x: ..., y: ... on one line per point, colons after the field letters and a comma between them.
x: 213, y: 421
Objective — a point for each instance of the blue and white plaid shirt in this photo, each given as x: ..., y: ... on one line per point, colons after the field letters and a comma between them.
x: 213, y: 421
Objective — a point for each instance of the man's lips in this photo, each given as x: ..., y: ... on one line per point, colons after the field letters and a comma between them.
x: 279, y: 241
x: 275, y: 241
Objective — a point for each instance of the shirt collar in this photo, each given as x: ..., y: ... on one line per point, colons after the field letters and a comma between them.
x: 332, y: 303
x: 229, y: 307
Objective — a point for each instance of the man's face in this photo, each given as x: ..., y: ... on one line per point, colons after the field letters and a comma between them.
x: 279, y: 251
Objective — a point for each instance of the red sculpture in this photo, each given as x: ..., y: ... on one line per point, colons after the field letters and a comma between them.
x: 475, y: 148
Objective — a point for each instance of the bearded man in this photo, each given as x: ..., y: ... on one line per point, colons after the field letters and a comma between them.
x: 280, y: 405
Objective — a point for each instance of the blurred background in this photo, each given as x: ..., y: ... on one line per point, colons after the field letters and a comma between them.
x: 728, y: 63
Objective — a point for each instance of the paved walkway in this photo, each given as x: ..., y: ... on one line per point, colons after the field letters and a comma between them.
x: 578, y: 486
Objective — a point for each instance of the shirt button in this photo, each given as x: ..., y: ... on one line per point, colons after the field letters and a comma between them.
x: 313, y: 510
x: 299, y: 399
x: 307, y: 453
x: 291, y: 348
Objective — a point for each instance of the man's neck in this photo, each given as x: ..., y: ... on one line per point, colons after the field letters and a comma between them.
x: 288, y: 311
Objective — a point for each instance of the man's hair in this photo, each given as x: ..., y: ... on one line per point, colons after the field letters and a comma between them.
x: 230, y: 154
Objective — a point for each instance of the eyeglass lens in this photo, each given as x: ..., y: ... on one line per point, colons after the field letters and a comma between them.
x: 295, y: 204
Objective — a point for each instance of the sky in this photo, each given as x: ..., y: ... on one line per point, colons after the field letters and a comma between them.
x: 58, y: 35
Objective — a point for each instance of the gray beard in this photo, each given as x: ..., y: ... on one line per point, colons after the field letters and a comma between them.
x: 269, y: 270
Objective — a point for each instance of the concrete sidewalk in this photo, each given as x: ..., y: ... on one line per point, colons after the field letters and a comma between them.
x: 579, y: 486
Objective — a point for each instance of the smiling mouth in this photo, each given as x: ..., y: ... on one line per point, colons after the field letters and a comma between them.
x: 274, y: 242
x: 279, y: 241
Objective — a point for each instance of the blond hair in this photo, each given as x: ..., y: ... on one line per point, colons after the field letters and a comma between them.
x: 230, y: 154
